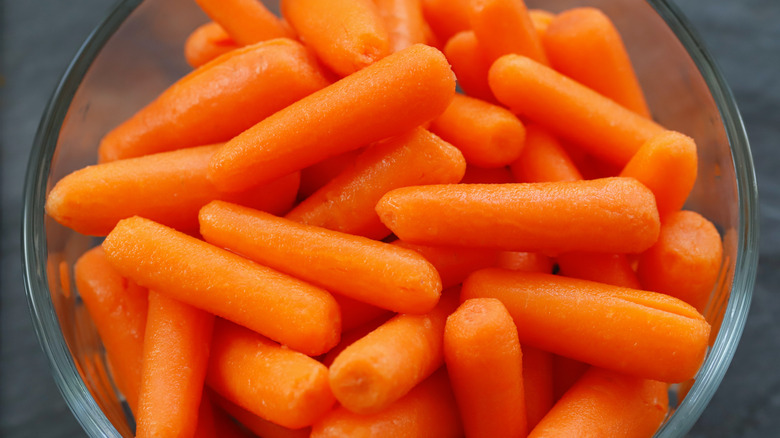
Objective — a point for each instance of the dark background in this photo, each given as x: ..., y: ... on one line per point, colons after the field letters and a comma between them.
x: 39, y: 37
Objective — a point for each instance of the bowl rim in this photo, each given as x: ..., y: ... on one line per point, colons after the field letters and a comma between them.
x: 93, y: 420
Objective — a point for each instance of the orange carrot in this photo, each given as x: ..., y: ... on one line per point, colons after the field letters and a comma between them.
x: 606, y: 215
x: 378, y: 369
x: 246, y: 21
x: 206, y: 43
x: 635, y: 332
x: 614, y: 269
x: 428, y: 410
x: 347, y: 35
x: 605, y: 403
x: 347, y: 202
x: 356, y: 313
x: 686, y: 259
x: 273, y: 382
x: 169, y: 188
x: 218, y: 100
x: 543, y: 159
x: 404, y: 22
x: 541, y: 20
x: 319, y: 174
x: 570, y: 110
x: 488, y: 135
x: 387, y: 98
x: 566, y: 372
x: 538, y: 384
x: 485, y: 366
x: 480, y: 175
x: 258, y: 426
x: 453, y: 264
x: 470, y: 67
x: 525, y: 261
x: 285, y: 309
x: 213, y: 422
x: 583, y: 44
x: 503, y: 27
x: 349, y: 338
x: 667, y: 165
x: 377, y: 273
x: 446, y: 17
x: 176, y: 353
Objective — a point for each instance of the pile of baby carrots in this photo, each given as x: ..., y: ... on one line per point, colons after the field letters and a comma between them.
x: 314, y: 234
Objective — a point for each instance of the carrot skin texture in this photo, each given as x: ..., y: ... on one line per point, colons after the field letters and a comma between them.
x: 646, y: 334
x: 453, y: 264
x: 218, y: 100
x: 470, y: 66
x: 246, y: 21
x: 303, y: 317
x: 390, y: 97
x: 257, y: 425
x: 614, y: 269
x: 543, y: 159
x: 538, y: 384
x: 504, y: 27
x: 207, y: 42
x: 404, y: 22
x: 606, y: 215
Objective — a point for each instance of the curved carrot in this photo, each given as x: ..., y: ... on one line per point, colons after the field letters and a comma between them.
x: 541, y: 20
x: 614, y: 269
x: 388, y: 98
x: 485, y: 365
x: 538, y: 384
x: 446, y: 17
x: 470, y: 66
x: 285, y: 309
x: 246, y: 21
x: 452, y: 263
x: 480, y: 175
x: 525, y: 261
x: 606, y: 215
x: 258, y: 426
x: 319, y: 174
x: 404, y: 22
x: 635, y: 332
x: 207, y: 42
x: 543, y: 159
x: 503, y: 27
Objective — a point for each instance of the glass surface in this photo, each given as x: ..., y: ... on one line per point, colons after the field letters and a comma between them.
x: 137, y: 52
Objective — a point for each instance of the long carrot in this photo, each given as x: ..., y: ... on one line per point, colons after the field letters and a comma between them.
x: 470, y: 66
x: 404, y: 22
x: 606, y: 215
x: 206, y: 43
x: 543, y: 159
x: 569, y: 109
x: 387, y: 98
x: 273, y: 382
x: 538, y: 384
x: 218, y: 100
x: 258, y: 426
x: 614, y: 269
x: 485, y: 366
x: 452, y: 263
x: 246, y: 21
x: 285, y: 309
x: 503, y: 27
x: 640, y: 333
x: 446, y: 17
x: 347, y: 202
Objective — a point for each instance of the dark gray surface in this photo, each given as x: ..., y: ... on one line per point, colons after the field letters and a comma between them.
x: 41, y: 36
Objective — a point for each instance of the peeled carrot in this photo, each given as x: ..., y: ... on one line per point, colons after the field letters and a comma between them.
x: 218, y: 100
x: 273, y: 382
x: 446, y: 17
x: 480, y: 175
x: 538, y: 384
x: 347, y: 202
x: 485, y: 366
x: 685, y: 261
x: 428, y: 410
x: 605, y: 403
x: 543, y: 159
x: 404, y: 22
x: 541, y: 20
x: 583, y: 44
x: 525, y: 261
x: 614, y: 269
x: 644, y: 334
x: 566, y: 372
x: 667, y: 165
x: 606, y: 215
x: 206, y: 43
x: 176, y: 353
x: 378, y: 369
x: 452, y: 263
x: 488, y: 135
x: 470, y: 67
x: 169, y: 188
x: 258, y: 426
x: 319, y: 174
x: 377, y: 273
x: 285, y: 309
x: 356, y: 313
x: 246, y: 21
x: 503, y: 27
x: 349, y: 338
x: 569, y: 109
x: 387, y: 98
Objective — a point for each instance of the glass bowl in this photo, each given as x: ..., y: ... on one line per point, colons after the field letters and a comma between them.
x: 138, y: 47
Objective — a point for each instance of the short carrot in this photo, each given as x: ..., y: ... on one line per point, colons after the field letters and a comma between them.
x: 280, y: 385
x: 404, y: 22
x: 452, y: 263
x: 543, y: 159
x: 176, y: 353
x: 569, y: 109
x: 614, y: 269
x: 319, y: 174
x: 388, y: 98
x: 606, y: 215
x: 485, y: 365
x: 257, y: 425
x: 207, y: 42
x: 347, y: 202
x: 294, y: 313
x: 246, y: 21
x: 537, y: 383
x: 541, y: 20
x: 644, y: 334
x: 525, y: 261
x: 488, y: 135
x: 566, y: 372
x: 446, y: 17
x: 480, y: 175
x: 378, y: 369
x: 503, y: 27
x: 470, y: 66
x: 218, y: 100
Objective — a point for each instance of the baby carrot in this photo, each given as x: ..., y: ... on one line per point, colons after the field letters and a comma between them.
x: 377, y: 273
x: 390, y: 97
x: 258, y: 426
x: 404, y: 22
x: 644, y: 334
x: 488, y: 135
x: 605, y: 215
x: 349, y: 338
x: 347, y: 202
x: 614, y: 269
x: 685, y: 261
x: 246, y: 21
x: 280, y: 385
x: 605, y: 403
x: 525, y: 261
x: 583, y: 44
x: 570, y: 110
x: 485, y: 366
x: 452, y: 263
x: 294, y: 313
x: 319, y: 174
x: 470, y: 66
x: 541, y: 20
x: 206, y: 43
x: 543, y: 159
x: 480, y: 175
x: 378, y: 369
x: 218, y: 100
x: 168, y: 187
x: 347, y: 35
x: 566, y: 372
x: 213, y: 422
x: 538, y: 383
x: 176, y: 353
x: 503, y: 27
x: 356, y: 313
x: 667, y: 165
x: 446, y: 17
x: 428, y: 410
